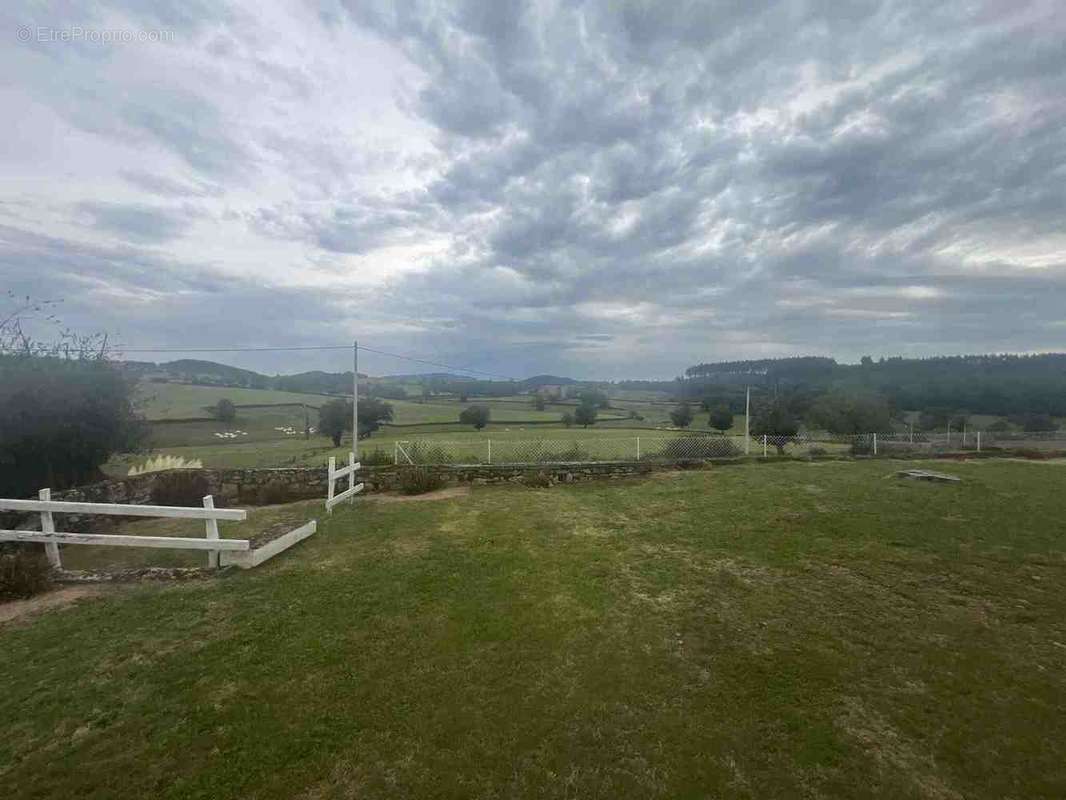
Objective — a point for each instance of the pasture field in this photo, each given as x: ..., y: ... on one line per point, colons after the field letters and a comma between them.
x: 760, y: 630
x: 183, y: 401
x: 265, y: 447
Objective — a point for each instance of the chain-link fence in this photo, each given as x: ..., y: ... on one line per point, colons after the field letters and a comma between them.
x: 687, y: 448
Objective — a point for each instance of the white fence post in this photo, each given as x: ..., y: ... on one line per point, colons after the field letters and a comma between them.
x: 764, y: 445
x: 396, y: 453
x: 51, y: 549
x: 329, y: 487
x: 979, y: 441
x: 212, y: 533
x: 351, y: 475
x: 638, y: 448
x: 875, y: 444
x: 489, y: 441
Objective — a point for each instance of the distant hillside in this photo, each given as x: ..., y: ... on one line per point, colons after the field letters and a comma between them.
x: 981, y: 384
x: 418, y: 377
x: 545, y: 380
x: 317, y: 382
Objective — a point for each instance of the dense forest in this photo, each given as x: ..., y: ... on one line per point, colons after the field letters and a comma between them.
x: 991, y: 384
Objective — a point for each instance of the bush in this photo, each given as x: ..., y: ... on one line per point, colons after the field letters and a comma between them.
x: 60, y: 420
x: 861, y: 447
x: 224, y: 410
x: 418, y: 480
x: 376, y: 458
x: 696, y: 448
x: 477, y: 415
x: 180, y: 489
x: 24, y: 572
x: 817, y: 451
x: 538, y: 480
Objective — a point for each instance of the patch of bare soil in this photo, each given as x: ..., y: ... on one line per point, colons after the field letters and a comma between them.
x: 440, y: 494
x: 57, y: 598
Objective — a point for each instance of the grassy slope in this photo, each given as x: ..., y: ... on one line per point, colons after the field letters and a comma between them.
x: 755, y: 631
x: 178, y: 401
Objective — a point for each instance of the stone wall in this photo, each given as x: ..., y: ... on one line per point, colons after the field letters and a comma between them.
x: 251, y: 487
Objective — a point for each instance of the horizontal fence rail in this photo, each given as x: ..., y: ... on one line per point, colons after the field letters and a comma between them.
x: 114, y: 509
x: 51, y: 538
x: 116, y: 540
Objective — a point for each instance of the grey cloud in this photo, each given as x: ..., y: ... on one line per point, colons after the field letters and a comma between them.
x: 139, y: 223
x: 676, y: 181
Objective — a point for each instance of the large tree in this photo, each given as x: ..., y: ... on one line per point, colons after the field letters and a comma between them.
x: 335, y: 417
x: 585, y: 415
x: 851, y: 412
x: 594, y: 397
x: 224, y: 410
x: 682, y: 415
x: 476, y: 415
x: 776, y: 421
x: 720, y: 418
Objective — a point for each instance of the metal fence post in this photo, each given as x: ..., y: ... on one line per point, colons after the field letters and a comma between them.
x: 489, y: 442
x: 51, y: 549
x: 764, y: 445
x: 396, y: 453
x: 875, y: 444
x: 979, y: 441
x: 638, y: 448
x: 212, y: 532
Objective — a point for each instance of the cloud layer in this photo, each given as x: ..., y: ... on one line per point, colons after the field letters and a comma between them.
x: 595, y: 188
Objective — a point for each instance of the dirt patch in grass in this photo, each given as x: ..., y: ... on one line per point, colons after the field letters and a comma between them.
x: 440, y: 494
x: 57, y: 598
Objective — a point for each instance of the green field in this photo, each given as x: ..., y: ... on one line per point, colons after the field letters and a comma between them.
x: 262, y: 448
x: 256, y: 438
x: 184, y: 401
x: 777, y: 630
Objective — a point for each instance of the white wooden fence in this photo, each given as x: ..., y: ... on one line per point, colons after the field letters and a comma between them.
x: 51, y: 538
x: 335, y: 475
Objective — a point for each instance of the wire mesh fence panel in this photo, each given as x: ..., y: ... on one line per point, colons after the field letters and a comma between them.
x: 662, y: 448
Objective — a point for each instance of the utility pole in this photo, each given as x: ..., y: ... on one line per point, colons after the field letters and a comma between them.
x: 747, y: 421
x: 355, y: 397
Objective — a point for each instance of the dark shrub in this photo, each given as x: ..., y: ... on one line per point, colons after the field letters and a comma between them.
x: 24, y: 572
x: 538, y: 480
x: 689, y: 448
x: 418, y: 480
x: 817, y: 451
x: 861, y: 447
x: 376, y: 458
x: 184, y: 488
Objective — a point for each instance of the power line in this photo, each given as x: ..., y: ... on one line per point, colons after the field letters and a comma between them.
x: 305, y: 348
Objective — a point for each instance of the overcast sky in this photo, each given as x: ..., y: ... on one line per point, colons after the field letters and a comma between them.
x: 594, y: 189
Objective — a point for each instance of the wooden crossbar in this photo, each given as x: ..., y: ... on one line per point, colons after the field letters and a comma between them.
x: 344, y: 495
x: 115, y: 540
x: 344, y: 471
x: 114, y: 509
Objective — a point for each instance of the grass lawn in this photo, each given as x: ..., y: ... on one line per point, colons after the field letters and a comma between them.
x: 752, y: 631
